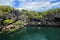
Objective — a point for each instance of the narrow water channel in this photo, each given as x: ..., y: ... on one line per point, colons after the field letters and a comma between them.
x: 34, y: 33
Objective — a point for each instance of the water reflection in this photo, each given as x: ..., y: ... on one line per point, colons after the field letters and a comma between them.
x: 35, y: 36
x: 34, y: 33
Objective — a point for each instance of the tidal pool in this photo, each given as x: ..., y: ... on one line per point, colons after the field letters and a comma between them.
x: 33, y: 33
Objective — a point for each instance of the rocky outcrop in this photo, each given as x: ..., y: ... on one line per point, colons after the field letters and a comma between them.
x: 16, y: 19
x: 51, y: 20
x: 13, y: 15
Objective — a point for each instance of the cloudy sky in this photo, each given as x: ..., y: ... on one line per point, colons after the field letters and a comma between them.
x: 38, y: 5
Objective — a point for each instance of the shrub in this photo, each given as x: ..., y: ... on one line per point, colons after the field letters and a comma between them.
x: 8, y: 21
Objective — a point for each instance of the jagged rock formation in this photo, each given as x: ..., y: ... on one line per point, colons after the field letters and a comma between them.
x: 53, y: 20
x: 12, y: 18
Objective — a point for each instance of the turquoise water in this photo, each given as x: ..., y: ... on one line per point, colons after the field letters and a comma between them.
x: 33, y: 33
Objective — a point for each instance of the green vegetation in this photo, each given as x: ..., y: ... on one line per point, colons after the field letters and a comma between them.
x: 18, y: 22
x: 8, y: 21
x: 19, y: 17
x: 5, y: 10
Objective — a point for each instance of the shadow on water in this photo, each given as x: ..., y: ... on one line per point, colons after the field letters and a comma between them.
x: 33, y: 33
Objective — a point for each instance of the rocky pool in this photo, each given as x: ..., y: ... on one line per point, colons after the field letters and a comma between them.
x: 33, y: 33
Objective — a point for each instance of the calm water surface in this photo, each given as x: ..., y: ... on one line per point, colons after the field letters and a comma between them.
x: 33, y: 33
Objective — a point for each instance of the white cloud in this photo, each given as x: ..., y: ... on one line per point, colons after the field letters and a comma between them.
x: 6, y: 2
x: 30, y: 4
x: 57, y: 3
x: 22, y: 0
x: 37, y: 5
x: 34, y: 5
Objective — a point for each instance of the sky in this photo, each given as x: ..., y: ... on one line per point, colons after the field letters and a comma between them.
x: 37, y: 5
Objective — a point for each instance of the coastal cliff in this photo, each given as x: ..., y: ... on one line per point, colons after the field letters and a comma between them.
x: 11, y: 18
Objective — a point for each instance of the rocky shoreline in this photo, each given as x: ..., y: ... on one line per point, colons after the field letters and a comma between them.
x: 14, y: 19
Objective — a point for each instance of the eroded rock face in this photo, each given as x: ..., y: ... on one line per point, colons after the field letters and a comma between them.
x: 56, y: 19
x: 53, y: 20
x: 13, y: 15
x: 50, y: 19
